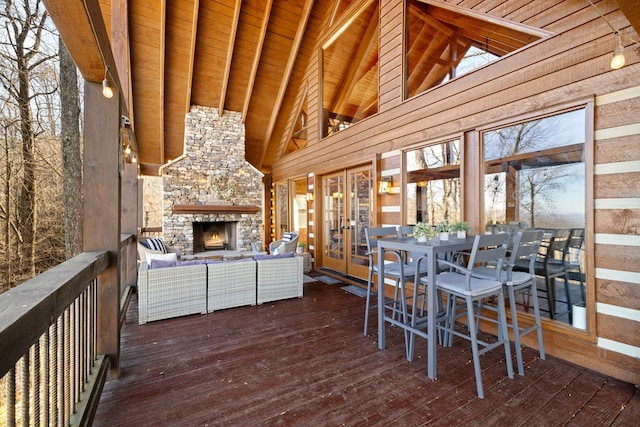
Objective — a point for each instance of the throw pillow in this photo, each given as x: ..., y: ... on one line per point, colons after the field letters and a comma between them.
x: 287, y: 237
x: 165, y: 257
x: 155, y: 244
x: 161, y: 263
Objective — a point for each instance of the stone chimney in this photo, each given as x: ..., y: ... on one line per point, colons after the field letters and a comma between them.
x: 212, y: 183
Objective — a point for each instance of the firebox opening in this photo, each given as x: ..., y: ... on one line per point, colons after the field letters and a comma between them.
x: 214, y: 236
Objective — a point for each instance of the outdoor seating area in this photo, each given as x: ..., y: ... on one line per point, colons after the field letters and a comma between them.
x: 169, y: 289
x: 475, y: 278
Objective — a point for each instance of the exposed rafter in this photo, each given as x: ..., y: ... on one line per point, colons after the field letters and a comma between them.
x: 256, y: 58
x: 358, y: 67
x: 161, y: 86
x: 230, y: 46
x: 293, y: 53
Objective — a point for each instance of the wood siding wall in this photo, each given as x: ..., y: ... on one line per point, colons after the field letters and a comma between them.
x: 571, y: 66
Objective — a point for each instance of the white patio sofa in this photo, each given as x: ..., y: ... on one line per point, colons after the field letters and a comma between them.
x: 231, y: 284
x: 279, y: 277
x: 171, y: 291
x: 174, y: 288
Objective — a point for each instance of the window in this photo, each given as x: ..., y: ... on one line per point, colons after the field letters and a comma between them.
x: 445, y: 41
x: 350, y: 73
x: 534, y: 172
x: 534, y: 177
x: 433, y: 183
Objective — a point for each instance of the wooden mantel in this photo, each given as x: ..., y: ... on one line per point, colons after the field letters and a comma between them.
x: 215, y: 209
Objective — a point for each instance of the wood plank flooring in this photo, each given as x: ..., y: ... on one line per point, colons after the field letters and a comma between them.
x: 305, y: 362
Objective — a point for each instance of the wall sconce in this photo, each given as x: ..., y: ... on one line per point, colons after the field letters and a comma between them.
x: 107, y: 91
x: 384, y: 187
x: 309, y: 197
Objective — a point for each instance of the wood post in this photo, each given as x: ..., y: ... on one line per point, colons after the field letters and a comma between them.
x: 102, y: 170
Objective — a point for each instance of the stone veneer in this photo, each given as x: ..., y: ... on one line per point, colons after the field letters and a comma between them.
x: 212, y: 171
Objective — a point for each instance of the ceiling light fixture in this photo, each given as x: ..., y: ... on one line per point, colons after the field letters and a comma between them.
x: 107, y: 91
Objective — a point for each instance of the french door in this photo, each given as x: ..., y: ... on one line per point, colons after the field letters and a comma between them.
x: 347, y: 209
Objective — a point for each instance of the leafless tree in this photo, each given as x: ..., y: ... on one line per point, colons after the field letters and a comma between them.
x: 71, y: 152
x: 26, y: 84
x: 24, y: 28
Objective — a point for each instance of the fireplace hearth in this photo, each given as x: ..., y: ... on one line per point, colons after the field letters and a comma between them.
x: 214, y: 235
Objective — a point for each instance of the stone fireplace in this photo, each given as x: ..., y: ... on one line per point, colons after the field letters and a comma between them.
x: 212, y: 197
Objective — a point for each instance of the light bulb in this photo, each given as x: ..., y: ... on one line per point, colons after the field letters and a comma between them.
x: 107, y: 92
x: 618, y: 57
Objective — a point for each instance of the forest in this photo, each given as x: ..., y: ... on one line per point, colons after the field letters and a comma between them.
x: 40, y: 153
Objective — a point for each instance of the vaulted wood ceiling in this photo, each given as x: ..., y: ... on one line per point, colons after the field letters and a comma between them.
x: 249, y: 56
x: 244, y: 56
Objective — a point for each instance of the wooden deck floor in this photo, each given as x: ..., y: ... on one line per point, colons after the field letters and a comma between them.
x: 305, y: 362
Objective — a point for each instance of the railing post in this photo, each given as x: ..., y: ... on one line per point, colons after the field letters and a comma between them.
x: 129, y: 222
x: 102, y: 173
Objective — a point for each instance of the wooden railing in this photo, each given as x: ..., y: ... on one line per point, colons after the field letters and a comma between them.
x: 151, y: 231
x: 51, y: 372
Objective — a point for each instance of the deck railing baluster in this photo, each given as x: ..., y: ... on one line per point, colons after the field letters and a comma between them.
x: 49, y: 346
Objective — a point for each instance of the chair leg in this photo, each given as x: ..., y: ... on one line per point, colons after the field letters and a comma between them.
x: 474, y: 347
x: 451, y: 319
x: 516, y: 329
x: 502, y: 316
x: 551, y: 296
x: 536, y: 311
x: 368, y: 302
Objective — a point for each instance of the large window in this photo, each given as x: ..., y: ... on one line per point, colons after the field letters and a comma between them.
x: 433, y: 183
x: 534, y: 177
x: 534, y: 172
x: 350, y: 72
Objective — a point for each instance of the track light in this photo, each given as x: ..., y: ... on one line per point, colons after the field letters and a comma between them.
x: 618, y: 55
x: 107, y: 91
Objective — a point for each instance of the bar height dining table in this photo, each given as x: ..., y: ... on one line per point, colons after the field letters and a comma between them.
x: 432, y: 248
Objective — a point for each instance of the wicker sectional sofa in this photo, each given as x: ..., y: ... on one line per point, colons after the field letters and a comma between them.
x: 172, y: 289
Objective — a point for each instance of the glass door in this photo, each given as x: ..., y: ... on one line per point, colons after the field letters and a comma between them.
x: 361, y: 214
x: 347, y: 204
x: 333, y: 225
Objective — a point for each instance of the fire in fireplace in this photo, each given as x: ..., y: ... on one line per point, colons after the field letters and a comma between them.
x: 211, y: 236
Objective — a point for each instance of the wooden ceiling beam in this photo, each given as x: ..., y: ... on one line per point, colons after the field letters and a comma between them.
x: 81, y: 26
x: 293, y: 53
x: 256, y: 59
x: 161, y: 89
x: 290, y: 131
x: 181, y: 34
x: 120, y: 43
x: 192, y: 53
x: 229, y: 58
x: 358, y: 66
x: 631, y: 11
